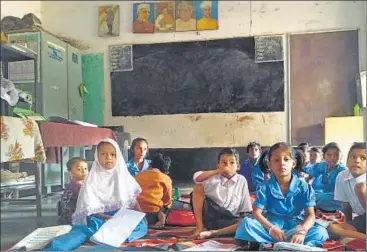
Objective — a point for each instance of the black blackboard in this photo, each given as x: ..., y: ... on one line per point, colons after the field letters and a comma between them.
x: 186, y: 161
x: 120, y: 57
x: 268, y: 49
x: 197, y: 77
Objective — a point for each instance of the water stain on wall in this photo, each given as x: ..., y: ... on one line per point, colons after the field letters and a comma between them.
x: 210, y: 139
x: 193, y: 118
x: 263, y: 118
x: 245, y: 120
x: 262, y: 8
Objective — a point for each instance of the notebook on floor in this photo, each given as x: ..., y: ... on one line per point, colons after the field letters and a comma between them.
x: 213, y: 246
x: 287, y: 246
x: 117, y: 229
x: 40, y: 237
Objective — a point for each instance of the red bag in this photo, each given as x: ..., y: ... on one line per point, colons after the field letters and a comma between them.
x: 181, y: 218
x: 181, y: 214
x: 337, y: 217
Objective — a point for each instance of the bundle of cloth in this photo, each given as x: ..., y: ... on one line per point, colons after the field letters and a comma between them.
x: 11, y: 23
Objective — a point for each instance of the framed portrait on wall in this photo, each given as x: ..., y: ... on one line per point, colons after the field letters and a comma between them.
x: 185, y: 16
x: 109, y: 21
x: 207, y: 15
x: 164, y: 17
x: 143, y: 18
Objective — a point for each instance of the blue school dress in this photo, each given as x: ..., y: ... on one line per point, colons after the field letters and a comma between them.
x: 308, y: 167
x: 286, y: 212
x: 79, y: 234
x: 252, y: 173
x: 133, y: 168
x: 324, y: 185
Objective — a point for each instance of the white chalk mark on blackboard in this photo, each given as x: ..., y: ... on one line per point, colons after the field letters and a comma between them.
x: 268, y: 49
x: 121, y: 58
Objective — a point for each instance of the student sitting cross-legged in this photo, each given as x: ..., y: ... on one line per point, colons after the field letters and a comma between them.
x: 138, y: 161
x: 284, y: 204
x: 324, y: 177
x: 78, y: 169
x: 156, y: 185
x: 108, y: 188
x: 250, y: 167
x: 315, y: 155
x: 220, y: 197
x: 350, y: 189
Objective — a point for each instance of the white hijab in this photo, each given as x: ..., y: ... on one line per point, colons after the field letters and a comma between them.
x: 106, y: 189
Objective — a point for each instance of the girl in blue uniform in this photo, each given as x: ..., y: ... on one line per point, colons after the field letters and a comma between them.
x: 304, y: 149
x: 284, y: 207
x: 324, y: 178
x: 315, y: 155
x: 138, y: 161
x: 250, y: 167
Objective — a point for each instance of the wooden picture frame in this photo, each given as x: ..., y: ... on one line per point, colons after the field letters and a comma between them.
x: 109, y: 21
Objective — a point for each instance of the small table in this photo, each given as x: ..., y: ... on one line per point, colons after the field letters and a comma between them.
x: 21, y: 141
x: 55, y: 136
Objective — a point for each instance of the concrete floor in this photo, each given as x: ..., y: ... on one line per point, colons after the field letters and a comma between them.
x: 19, y: 219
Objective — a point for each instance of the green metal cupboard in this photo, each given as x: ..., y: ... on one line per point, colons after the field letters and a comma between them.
x: 56, y: 92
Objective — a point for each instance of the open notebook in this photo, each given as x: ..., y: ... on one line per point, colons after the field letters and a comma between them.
x: 213, y: 246
x: 117, y: 229
x: 287, y: 246
x: 40, y: 237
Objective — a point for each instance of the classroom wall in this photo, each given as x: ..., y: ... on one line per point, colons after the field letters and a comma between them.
x: 20, y: 8
x: 325, y: 63
x: 236, y: 19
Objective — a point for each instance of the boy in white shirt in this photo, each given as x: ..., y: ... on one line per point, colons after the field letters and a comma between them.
x: 220, y: 197
x: 350, y: 188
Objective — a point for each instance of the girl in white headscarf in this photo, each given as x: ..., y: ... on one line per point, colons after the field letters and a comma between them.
x: 108, y: 187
